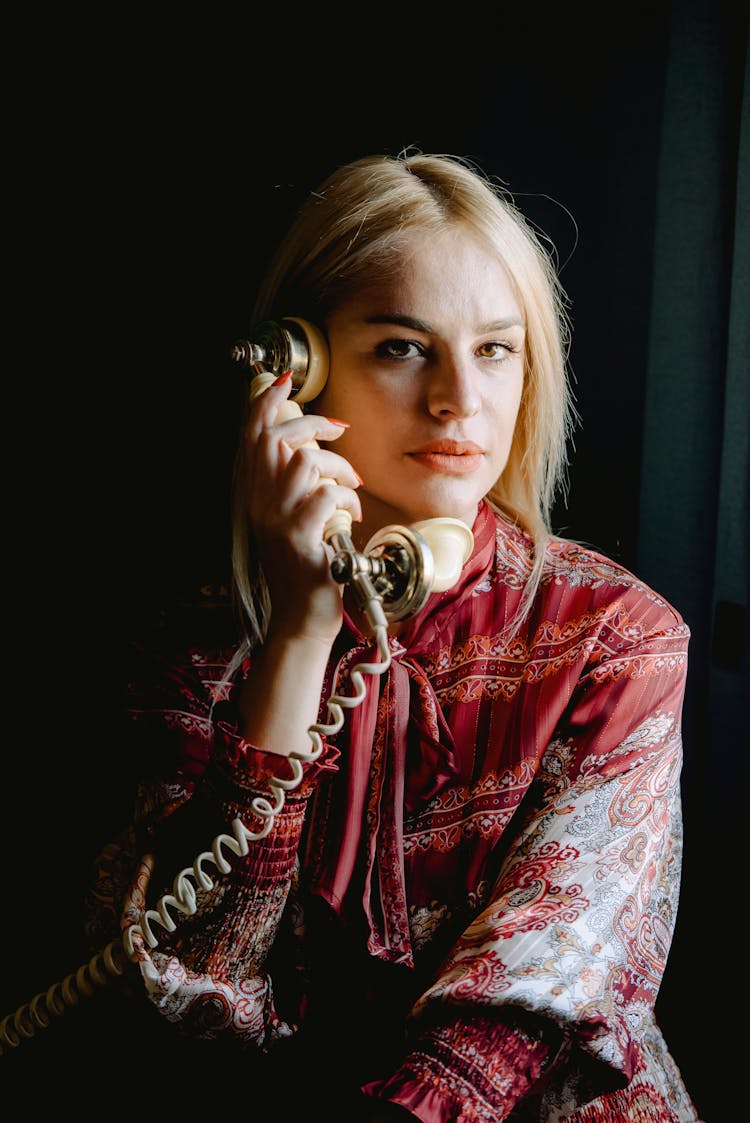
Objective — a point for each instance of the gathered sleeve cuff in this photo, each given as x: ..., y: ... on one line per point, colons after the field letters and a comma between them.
x: 469, y: 1070
x: 250, y: 768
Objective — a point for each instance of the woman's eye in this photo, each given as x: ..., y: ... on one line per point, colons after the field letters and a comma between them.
x: 398, y: 349
x: 496, y: 350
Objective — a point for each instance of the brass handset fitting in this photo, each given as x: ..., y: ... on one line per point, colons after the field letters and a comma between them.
x: 396, y: 568
x: 290, y: 344
x: 272, y: 348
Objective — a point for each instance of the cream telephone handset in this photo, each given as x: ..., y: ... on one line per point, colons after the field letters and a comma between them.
x: 391, y: 579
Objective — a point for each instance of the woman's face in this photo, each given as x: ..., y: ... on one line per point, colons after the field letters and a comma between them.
x: 427, y: 368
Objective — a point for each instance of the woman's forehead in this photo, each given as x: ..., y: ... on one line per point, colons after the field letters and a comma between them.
x: 451, y: 272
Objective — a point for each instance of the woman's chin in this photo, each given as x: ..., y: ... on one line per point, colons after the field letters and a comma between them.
x: 447, y: 501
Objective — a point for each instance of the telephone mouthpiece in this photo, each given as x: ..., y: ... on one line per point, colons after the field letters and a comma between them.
x: 408, y: 563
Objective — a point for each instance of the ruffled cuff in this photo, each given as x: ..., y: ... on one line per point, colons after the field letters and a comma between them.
x: 456, y: 1070
x: 236, y: 783
x: 249, y: 768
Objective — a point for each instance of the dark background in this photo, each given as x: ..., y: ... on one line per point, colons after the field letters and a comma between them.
x: 151, y: 182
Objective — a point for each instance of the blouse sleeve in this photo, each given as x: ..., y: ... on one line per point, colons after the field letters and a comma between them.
x: 208, y: 973
x: 565, y: 961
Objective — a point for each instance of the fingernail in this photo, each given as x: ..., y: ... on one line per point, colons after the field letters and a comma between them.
x: 358, y: 476
x: 282, y: 378
x: 335, y: 421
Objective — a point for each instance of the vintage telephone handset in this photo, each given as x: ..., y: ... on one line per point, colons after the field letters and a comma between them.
x: 402, y: 564
x: 391, y: 579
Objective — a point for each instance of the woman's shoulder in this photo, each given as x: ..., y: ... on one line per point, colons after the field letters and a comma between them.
x: 179, y: 656
x: 572, y: 576
x: 587, y: 572
x: 166, y: 676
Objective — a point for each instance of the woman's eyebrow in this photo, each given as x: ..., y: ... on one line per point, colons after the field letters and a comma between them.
x: 422, y: 325
x: 400, y: 319
x: 502, y: 324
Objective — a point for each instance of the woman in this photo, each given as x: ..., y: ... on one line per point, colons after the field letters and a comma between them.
x: 457, y: 902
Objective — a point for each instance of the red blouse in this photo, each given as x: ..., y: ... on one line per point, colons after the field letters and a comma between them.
x: 482, y: 865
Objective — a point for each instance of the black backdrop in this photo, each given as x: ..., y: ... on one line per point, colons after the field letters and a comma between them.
x: 151, y: 185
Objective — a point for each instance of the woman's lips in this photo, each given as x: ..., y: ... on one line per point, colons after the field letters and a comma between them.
x: 453, y: 457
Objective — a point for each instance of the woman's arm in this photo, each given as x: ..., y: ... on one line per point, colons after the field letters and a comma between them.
x: 570, y: 950
x: 213, y: 795
x: 209, y: 975
x: 280, y: 700
x: 288, y: 505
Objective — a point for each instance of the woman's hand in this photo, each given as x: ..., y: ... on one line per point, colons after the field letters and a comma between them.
x: 288, y: 508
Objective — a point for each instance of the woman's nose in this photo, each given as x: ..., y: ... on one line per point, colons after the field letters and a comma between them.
x: 452, y: 388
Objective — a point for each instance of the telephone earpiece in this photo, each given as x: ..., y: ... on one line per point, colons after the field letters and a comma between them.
x: 287, y: 344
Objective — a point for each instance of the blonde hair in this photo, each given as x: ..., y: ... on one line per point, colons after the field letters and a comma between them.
x: 349, y: 232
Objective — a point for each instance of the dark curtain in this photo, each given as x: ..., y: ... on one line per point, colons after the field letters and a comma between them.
x: 693, y: 511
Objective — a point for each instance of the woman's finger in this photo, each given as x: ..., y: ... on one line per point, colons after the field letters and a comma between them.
x: 264, y: 408
x: 325, y: 463
x: 319, y: 505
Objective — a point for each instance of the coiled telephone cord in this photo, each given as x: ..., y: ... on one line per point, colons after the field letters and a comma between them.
x: 111, y: 961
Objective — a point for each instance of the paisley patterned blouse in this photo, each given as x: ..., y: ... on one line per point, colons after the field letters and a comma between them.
x: 472, y: 890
